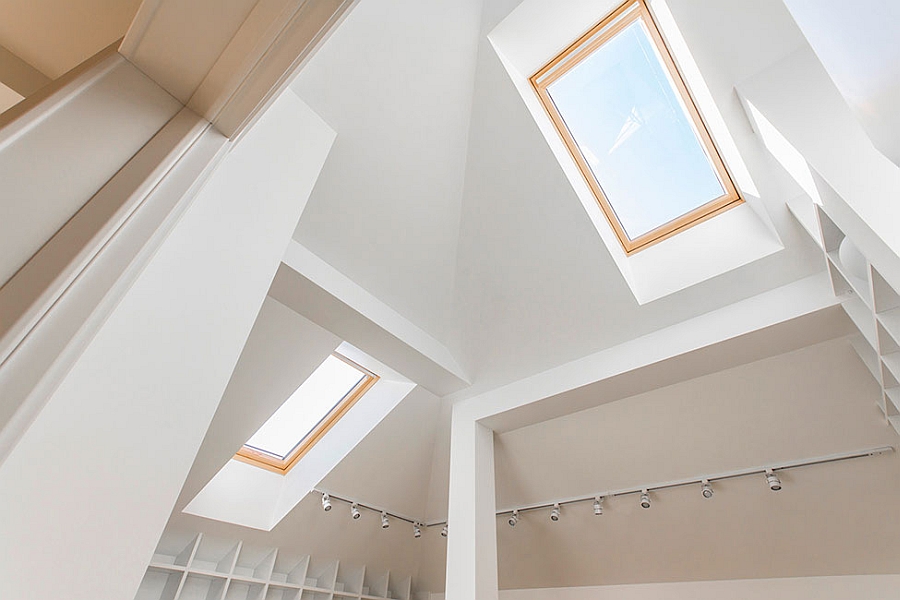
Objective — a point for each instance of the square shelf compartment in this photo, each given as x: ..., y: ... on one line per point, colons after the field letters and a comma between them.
x: 241, y: 590
x: 280, y: 593
x: 214, y: 556
x: 159, y: 585
x: 202, y: 587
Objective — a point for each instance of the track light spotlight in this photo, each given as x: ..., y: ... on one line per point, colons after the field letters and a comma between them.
x: 706, y: 489
x: 772, y: 480
x: 326, y: 502
x: 444, y: 531
x: 354, y: 511
x: 514, y: 518
x: 645, y: 499
x: 598, y: 506
x: 384, y: 520
x: 417, y: 531
x: 554, y: 514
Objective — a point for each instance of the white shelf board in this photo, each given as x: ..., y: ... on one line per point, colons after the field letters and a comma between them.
x: 286, y: 585
x: 860, y: 286
x: 862, y: 317
x: 867, y: 354
x: 206, y: 573
x: 895, y: 422
x: 890, y: 320
x: 167, y: 567
x: 248, y: 579
x: 892, y: 362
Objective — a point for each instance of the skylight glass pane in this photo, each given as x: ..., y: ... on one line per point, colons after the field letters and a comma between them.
x: 306, y: 407
x: 630, y: 125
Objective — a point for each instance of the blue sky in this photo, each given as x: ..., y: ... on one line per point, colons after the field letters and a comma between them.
x: 624, y: 115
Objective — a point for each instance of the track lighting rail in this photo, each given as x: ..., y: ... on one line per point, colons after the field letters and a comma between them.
x: 830, y: 458
x: 379, y: 510
x: 702, y: 480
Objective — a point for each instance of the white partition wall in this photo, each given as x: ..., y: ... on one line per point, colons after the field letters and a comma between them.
x: 127, y: 420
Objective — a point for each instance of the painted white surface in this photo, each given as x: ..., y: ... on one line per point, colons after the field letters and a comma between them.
x: 8, y: 97
x: 131, y: 414
x: 385, y: 469
x: 530, y: 37
x: 282, y: 350
x: 395, y: 82
x: 342, y: 288
x: 472, y: 541
x: 51, y: 163
x: 857, y: 45
x: 871, y: 587
x: 532, y: 272
x: 797, y: 299
x: 343, y: 437
x: 53, y: 306
x: 253, y: 497
x: 797, y: 98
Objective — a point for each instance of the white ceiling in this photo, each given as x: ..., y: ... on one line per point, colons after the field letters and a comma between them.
x: 467, y: 226
x: 533, y: 275
x: 54, y: 36
x: 395, y: 82
x: 441, y: 198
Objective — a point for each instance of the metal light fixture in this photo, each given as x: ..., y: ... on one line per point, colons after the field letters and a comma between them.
x: 326, y: 502
x: 645, y: 499
x: 384, y: 520
x: 554, y: 514
x: 772, y: 480
x: 706, y: 489
x: 354, y: 511
x: 598, y: 506
x: 514, y: 518
x: 444, y: 531
x: 417, y: 532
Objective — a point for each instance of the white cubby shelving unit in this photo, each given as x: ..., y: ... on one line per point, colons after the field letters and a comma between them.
x: 213, y: 569
x: 873, y: 304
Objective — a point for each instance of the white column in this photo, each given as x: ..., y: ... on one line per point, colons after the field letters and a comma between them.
x: 472, y: 543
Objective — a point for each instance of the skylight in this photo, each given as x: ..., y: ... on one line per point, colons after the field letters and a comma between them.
x: 620, y: 105
x: 307, y: 415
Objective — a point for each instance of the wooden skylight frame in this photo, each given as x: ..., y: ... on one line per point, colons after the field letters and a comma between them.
x: 625, y: 15
x: 260, y: 458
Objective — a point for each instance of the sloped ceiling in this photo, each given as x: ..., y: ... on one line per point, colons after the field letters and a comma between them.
x: 54, y: 36
x: 395, y: 83
x: 536, y: 287
x: 442, y: 198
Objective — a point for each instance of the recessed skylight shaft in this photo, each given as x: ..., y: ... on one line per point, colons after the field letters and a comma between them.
x: 307, y: 415
x: 306, y: 407
x: 624, y: 113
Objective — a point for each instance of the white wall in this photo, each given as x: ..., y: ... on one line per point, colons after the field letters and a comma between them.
x: 870, y: 587
x: 125, y: 424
